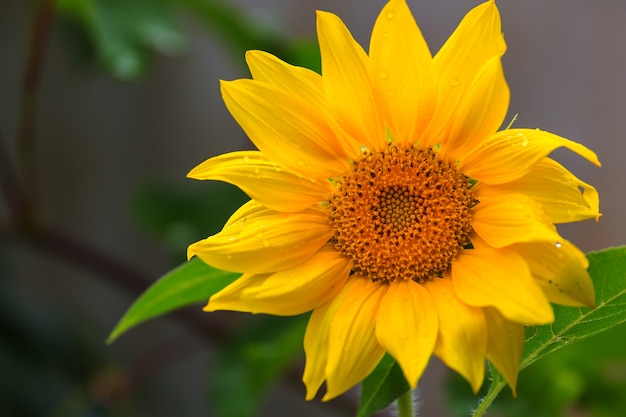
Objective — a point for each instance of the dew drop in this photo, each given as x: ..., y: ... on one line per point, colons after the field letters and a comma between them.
x: 266, y: 243
x: 524, y: 141
x: 246, y: 158
x: 383, y: 74
x: 558, y: 245
x: 256, y: 170
x: 391, y: 14
x: 455, y: 82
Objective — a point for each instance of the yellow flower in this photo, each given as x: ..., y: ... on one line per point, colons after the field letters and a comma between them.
x: 385, y: 200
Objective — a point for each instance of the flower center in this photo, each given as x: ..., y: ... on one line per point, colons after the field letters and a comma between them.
x: 401, y: 214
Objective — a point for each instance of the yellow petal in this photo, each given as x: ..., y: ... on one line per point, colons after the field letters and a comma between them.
x: 479, y: 113
x: 287, y: 129
x: 353, y: 351
x: 510, y: 154
x: 477, y: 39
x: 505, y: 345
x: 288, y: 292
x: 561, y: 270
x: 510, y: 218
x: 403, y: 73
x: 298, y: 81
x: 302, y: 83
x: 266, y: 241
x: 500, y: 278
x: 250, y: 210
x: 347, y: 82
x: 407, y: 327
x: 462, y: 340
x: 264, y: 180
x: 557, y: 190
x: 316, y: 346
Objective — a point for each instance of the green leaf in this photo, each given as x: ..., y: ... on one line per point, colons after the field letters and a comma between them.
x: 383, y: 386
x: 190, y: 283
x: 607, y: 269
x: 608, y: 272
x: 586, y: 376
x: 248, y: 364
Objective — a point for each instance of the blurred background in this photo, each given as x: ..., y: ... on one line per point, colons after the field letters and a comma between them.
x: 105, y: 105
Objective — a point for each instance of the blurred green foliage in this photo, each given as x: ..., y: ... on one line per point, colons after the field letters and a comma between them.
x: 251, y: 361
x: 180, y: 214
x: 49, y: 366
x: 122, y: 36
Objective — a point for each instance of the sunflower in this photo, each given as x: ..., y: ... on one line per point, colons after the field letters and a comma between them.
x: 385, y: 200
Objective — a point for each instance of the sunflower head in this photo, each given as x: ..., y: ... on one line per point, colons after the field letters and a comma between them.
x: 385, y: 199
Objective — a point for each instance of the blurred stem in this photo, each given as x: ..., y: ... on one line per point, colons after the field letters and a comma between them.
x: 124, y: 276
x: 404, y: 404
x: 42, y: 24
x: 10, y: 186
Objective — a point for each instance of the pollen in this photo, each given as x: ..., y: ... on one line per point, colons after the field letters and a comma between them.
x: 401, y: 214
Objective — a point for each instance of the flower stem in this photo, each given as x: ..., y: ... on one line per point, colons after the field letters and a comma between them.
x: 404, y: 404
x: 484, y: 405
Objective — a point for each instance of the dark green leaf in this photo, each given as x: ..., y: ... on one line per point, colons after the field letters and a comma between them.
x: 383, y: 386
x: 186, y: 211
x: 190, y: 283
x: 244, y: 33
x: 122, y: 34
x: 250, y: 362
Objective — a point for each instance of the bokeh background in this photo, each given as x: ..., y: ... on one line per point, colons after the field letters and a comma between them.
x: 123, y: 112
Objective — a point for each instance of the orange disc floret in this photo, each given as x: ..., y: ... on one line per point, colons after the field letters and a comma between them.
x: 401, y: 214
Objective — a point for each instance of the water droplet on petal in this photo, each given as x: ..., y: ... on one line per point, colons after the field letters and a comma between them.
x: 383, y: 74
x: 391, y: 14
x: 300, y: 162
x: 454, y: 82
x: 524, y: 141
x: 246, y: 159
x: 558, y: 244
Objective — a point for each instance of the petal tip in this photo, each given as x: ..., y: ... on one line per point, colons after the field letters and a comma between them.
x: 191, y: 251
